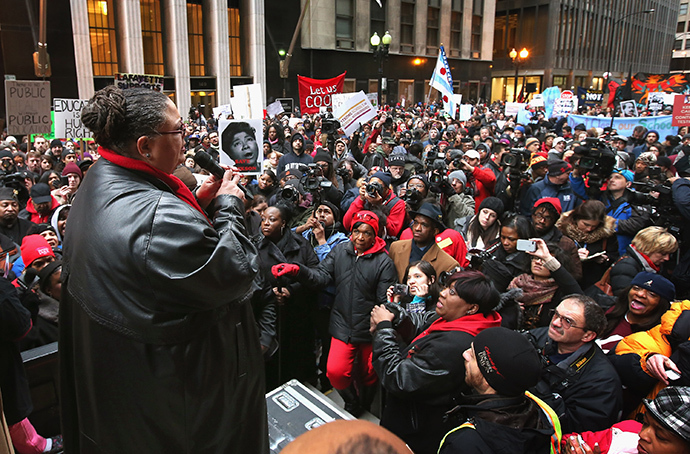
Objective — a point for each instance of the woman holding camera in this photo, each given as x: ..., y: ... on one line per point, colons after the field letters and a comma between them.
x: 420, y: 285
x: 422, y: 378
x: 507, y: 261
x: 543, y: 287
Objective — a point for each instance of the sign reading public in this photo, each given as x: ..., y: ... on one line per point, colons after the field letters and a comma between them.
x: 316, y: 93
x: 27, y: 104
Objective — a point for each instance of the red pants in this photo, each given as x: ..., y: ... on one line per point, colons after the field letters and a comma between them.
x: 25, y: 438
x: 341, y: 360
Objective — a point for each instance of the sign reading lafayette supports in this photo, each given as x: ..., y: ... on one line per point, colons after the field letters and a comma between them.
x: 625, y: 126
x: 681, y: 110
x: 127, y: 80
x: 67, y: 119
x: 354, y: 111
x: 316, y: 93
x: 27, y: 105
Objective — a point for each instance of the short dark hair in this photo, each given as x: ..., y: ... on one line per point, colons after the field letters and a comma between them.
x: 476, y: 288
x: 590, y: 210
x: 595, y: 319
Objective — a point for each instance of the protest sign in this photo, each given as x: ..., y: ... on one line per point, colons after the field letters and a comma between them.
x: 681, y: 110
x: 240, y: 144
x: 565, y: 104
x: 373, y: 99
x: 655, y: 102
x: 550, y: 95
x: 67, y: 119
x: 275, y: 108
x: 465, y: 112
x: 127, y: 80
x: 589, y: 97
x: 247, y: 102
x: 625, y: 126
x: 355, y: 110
x: 537, y: 100
x: 339, y: 99
x: 316, y: 93
x: 629, y: 109
x: 512, y: 108
x: 225, y: 109
x: 27, y: 105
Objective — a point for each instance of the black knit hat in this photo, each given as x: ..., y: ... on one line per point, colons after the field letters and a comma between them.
x: 334, y: 210
x: 508, y: 361
x: 493, y: 203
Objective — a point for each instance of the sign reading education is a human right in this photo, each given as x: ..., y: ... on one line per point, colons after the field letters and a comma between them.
x: 27, y: 104
x: 67, y: 119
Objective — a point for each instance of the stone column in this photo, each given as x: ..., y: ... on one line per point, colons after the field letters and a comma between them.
x: 487, y: 31
x: 176, y: 50
x: 130, y: 45
x: 82, y: 48
x: 217, y: 46
x: 255, y: 43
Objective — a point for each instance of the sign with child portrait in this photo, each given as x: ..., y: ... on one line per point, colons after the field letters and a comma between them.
x: 241, y: 144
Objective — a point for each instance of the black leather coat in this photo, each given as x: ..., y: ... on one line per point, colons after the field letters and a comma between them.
x: 159, y: 350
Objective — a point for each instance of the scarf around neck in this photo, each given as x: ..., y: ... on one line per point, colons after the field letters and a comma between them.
x: 534, y: 292
x: 175, y: 184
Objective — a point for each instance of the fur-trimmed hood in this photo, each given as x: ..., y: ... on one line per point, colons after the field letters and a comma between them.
x: 566, y: 224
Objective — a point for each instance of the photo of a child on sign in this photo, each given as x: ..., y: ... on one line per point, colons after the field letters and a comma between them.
x: 239, y: 143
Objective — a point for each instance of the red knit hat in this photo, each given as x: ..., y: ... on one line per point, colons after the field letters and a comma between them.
x: 368, y: 218
x: 34, y: 247
x: 71, y: 168
x: 552, y: 200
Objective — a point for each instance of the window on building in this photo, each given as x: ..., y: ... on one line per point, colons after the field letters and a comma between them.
x: 102, y: 35
x: 433, y: 21
x: 407, y: 17
x: 477, y: 13
x: 378, y: 18
x: 344, y: 20
x: 678, y: 44
x: 681, y: 27
x: 152, y: 36
x: 195, y: 37
x: 235, y: 42
x: 683, y: 9
x: 687, y: 44
x: 456, y: 28
x: 560, y: 81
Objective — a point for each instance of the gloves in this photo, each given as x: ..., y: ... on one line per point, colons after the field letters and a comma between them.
x: 284, y: 269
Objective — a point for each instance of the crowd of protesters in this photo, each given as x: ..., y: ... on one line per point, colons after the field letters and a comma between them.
x: 503, y: 287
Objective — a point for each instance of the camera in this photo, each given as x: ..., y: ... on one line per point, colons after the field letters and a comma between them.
x: 374, y: 189
x: 517, y: 159
x: 312, y: 179
x: 343, y: 172
x: 401, y: 289
x: 412, y: 196
x: 289, y: 193
x: 598, y: 159
x: 330, y: 126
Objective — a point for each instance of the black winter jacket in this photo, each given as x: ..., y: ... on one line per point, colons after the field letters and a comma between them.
x: 498, y: 424
x: 584, y: 389
x: 360, y: 283
x: 626, y: 269
x: 159, y: 351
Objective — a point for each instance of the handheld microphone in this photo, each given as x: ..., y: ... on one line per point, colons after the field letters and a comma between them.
x: 206, y: 162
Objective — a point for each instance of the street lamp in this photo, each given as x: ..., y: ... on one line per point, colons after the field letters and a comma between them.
x: 523, y: 54
x: 611, y: 35
x: 379, y: 46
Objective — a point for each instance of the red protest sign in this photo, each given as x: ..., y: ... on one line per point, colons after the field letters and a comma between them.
x: 316, y: 93
x: 681, y: 110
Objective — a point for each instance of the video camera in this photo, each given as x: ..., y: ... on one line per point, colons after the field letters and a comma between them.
x: 289, y: 194
x: 13, y: 180
x: 517, y: 160
x: 664, y: 210
x: 312, y: 179
x: 598, y: 161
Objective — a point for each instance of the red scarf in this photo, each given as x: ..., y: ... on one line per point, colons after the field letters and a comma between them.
x: 178, y: 187
x: 649, y: 262
x: 470, y: 324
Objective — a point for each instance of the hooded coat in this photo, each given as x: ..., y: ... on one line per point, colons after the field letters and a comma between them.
x: 602, y: 239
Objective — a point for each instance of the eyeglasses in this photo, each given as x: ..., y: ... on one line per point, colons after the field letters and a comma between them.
x: 567, y: 322
x: 537, y: 259
x: 181, y: 130
x: 542, y: 217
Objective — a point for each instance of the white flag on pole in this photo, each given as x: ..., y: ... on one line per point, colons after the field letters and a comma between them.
x: 442, y: 80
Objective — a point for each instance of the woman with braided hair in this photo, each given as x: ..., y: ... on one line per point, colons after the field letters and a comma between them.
x: 159, y: 351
